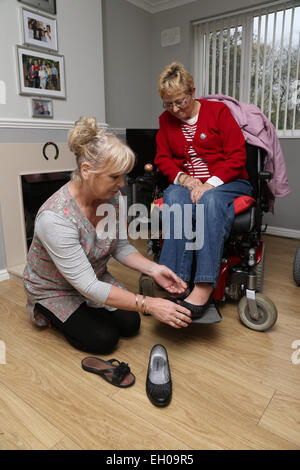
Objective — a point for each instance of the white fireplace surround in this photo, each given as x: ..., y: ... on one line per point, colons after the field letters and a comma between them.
x: 21, y: 159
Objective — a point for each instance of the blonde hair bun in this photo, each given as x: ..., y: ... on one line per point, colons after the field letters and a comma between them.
x: 83, y: 132
x: 102, y: 150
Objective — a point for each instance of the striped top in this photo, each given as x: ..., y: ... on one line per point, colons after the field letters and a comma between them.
x: 197, y: 167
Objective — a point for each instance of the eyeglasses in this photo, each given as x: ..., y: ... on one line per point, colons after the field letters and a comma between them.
x: 178, y: 103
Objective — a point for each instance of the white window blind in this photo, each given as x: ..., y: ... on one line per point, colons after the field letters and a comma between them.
x: 254, y: 57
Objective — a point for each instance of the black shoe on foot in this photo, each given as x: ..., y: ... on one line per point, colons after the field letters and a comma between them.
x: 159, y: 383
x: 197, y: 311
x: 207, y: 313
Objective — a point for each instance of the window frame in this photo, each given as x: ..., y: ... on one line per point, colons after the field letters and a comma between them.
x: 244, y: 18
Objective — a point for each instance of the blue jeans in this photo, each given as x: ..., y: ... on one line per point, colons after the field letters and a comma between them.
x: 215, y: 214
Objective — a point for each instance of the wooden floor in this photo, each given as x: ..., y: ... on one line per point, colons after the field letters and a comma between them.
x: 233, y: 388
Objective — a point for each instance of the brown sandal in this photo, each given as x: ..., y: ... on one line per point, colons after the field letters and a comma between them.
x: 118, y: 375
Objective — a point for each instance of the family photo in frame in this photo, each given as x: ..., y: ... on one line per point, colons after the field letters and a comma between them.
x: 42, y: 108
x: 41, y: 73
x: 39, y: 30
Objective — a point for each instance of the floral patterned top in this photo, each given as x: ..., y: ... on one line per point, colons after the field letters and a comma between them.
x: 67, y: 260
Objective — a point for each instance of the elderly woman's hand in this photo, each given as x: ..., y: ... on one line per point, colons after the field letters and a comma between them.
x: 192, y: 183
x: 167, y: 279
x: 198, y: 192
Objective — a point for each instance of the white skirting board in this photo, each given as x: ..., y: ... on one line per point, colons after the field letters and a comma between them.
x: 4, y: 276
x: 282, y: 232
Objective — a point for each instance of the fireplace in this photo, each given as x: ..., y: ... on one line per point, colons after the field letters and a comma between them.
x: 36, y: 189
x: 19, y: 162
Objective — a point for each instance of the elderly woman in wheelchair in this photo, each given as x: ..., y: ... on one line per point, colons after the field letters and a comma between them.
x: 201, y: 151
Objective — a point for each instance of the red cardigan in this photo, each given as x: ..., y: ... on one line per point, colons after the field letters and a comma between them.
x: 218, y: 139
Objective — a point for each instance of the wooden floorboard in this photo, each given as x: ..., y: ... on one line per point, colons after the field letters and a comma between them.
x: 233, y: 388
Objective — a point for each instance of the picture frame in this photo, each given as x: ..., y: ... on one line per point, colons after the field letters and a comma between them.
x: 39, y: 30
x: 42, y: 108
x: 41, y: 73
x: 44, y: 5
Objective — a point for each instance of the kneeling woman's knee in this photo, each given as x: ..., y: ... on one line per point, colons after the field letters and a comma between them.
x: 128, y: 322
x: 104, y: 342
x: 96, y: 341
x: 133, y: 323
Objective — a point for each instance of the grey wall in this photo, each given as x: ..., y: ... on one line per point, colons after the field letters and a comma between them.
x: 287, y: 209
x: 134, y: 58
x: 128, y: 70
x: 122, y: 92
x: 79, y: 28
x: 79, y: 32
x: 183, y: 17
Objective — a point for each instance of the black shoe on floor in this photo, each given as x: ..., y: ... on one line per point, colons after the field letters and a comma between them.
x: 159, y: 383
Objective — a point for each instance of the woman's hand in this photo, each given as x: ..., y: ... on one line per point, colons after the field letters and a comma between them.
x: 199, y: 190
x: 169, y: 312
x: 167, y: 279
x: 192, y: 183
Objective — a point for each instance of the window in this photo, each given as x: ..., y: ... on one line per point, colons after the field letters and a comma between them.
x: 254, y: 56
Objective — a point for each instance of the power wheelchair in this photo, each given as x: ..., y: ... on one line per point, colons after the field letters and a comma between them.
x: 242, y: 268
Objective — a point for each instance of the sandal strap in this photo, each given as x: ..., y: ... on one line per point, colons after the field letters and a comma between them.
x: 113, y: 360
x: 120, y: 372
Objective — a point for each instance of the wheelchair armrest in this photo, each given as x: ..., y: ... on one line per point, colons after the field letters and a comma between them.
x: 265, y: 175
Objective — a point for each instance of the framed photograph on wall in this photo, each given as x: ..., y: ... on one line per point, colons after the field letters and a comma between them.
x: 42, y: 108
x: 41, y: 73
x: 39, y: 30
x: 44, y: 5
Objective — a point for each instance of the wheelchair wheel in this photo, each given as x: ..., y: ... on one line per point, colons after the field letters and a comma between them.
x: 266, y: 310
x: 296, y: 267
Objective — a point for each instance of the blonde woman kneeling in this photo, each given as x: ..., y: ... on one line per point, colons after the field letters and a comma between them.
x: 66, y: 278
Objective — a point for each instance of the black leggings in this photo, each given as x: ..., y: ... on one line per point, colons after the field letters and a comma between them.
x: 95, y: 330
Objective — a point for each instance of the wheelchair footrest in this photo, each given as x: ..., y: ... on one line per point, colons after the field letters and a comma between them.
x: 210, y: 315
